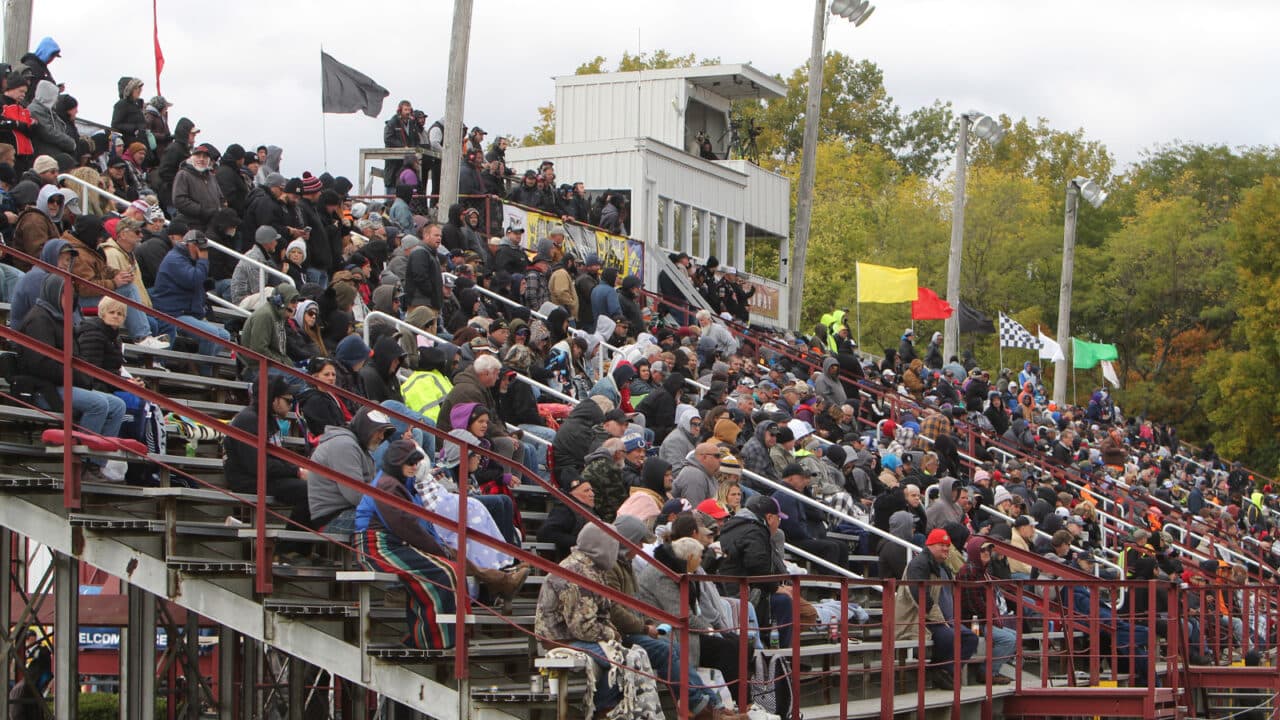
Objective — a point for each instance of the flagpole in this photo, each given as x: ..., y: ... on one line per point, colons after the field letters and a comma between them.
x: 324, y: 124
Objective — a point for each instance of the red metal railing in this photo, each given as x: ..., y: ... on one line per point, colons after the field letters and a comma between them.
x: 260, y: 441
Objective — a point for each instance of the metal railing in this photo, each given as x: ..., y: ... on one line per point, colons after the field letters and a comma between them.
x: 86, y: 188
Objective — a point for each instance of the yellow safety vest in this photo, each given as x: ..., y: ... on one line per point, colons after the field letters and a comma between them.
x: 424, y: 391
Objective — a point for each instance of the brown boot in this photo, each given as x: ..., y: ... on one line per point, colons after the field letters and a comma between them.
x: 503, y: 584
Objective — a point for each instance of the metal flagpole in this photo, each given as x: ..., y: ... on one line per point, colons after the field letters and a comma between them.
x: 324, y: 124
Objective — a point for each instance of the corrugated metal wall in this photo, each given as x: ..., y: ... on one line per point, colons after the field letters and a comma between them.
x: 627, y: 109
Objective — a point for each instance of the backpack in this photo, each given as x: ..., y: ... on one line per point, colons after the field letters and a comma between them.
x: 771, y: 684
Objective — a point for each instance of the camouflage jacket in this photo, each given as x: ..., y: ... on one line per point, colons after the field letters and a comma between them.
x: 567, y: 612
x: 611, y: 490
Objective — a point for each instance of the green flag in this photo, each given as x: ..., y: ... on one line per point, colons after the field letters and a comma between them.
x: 1085, y: 355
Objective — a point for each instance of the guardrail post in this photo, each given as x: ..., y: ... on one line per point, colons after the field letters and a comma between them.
x: 70, y: 467
x: 262, y: 580
x: 460, y: 569
x: 843, y: 636
x: 682, y: 696
x: 888, y: 656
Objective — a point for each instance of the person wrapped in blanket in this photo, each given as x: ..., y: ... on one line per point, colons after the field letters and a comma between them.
x: 392, y: 540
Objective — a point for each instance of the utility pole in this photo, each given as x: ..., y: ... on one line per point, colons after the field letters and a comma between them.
x: 454, y: 105
x: 1061, y: 369
x: 808, y: 165
x: 17, y: 29
x: 951, y: 326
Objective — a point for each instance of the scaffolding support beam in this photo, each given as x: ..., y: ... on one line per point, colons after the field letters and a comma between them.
x: 66, y: 637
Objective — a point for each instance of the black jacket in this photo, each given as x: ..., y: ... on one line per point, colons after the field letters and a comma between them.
x: 577, y: 437
x: 241, y: 469
x: 149, y: 254
x: 748, y: 549
x: 562, y: 527
x: 99, y: 344
x: 172, y: 159
x: 127, y: 117
x: 510, y: 259
x: 234, y: 187
x: 262, y: 208
x: 424, y: 283
x: 518, y: 406
x: 380, y: 383
x: 36, y: 372
x: 659, y: 410
x: 324, y: 246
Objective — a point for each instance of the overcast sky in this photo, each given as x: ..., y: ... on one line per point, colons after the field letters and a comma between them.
x: 1132, y: 73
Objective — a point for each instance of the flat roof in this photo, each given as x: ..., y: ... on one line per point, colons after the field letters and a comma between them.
x: 730, y: 81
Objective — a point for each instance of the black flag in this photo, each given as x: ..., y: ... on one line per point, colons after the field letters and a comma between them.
x: 973, y: 321
x: 346, y: 90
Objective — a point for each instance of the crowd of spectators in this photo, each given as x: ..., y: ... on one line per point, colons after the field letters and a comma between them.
x: 711, y: 447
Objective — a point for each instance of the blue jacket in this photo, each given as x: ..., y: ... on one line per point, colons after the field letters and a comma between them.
x: 796, y: 524
x: 179, y: 288
x: 604, y: 301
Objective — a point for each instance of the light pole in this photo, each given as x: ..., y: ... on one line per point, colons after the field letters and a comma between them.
x: 455, y: 103
x: 857, y: 13
x: 986, y: 128
x: 1095, y: 196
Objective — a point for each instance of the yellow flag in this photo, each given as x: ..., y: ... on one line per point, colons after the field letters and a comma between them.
x: 880, y: 284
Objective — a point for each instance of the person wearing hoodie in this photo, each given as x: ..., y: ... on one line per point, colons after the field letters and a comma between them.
x: 247, y: 279
x: 379, y: 374
x: 195, y: 189
x: 34, y: 65
x: 569, y: 615
x: 647, y: 498
x: 230, y: 178
x: 156, y: 116
x: 303, y: 340
x: 828, y: 386
x: 756, y: 457
x: 973, y: 578
x: 604, y: 298
x: 659, y: 407
x: 347, y: 450
x: 99, y: 413
x: 269, y: 166
x: 55, y: 252
x: 945, y: 508
x: 127, y: 117
x: 265, y: 330
x: 49, y: 135
x: 392, y: 540
x: 184, y: 137
x: 35, y: 225
x: 681, y: 441
x: 696, y: 481
x: 893, y: 557
x: 579, y: 434
x: 682, y: 556
x: 560, y: 284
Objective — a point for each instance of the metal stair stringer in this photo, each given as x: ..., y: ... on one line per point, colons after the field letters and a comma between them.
x: 244, y: 615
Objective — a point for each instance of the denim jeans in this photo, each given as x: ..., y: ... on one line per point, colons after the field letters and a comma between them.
x: 425, y: 439
x: 9, y: 277
x: 539, y: 449
x: 1003, y: 644
x: 343, y: 524
x: 606, y: 695
x: 99, y: 413
x: 206, y: 347
x: 136, y: 324
x: 664, y: 656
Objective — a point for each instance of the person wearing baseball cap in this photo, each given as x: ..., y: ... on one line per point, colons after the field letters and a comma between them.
x: 805, y: 528
x: 939, y: 608
x: 752, y: 545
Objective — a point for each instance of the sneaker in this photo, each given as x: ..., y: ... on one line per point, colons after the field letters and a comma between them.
x: 154, y: 343
x: 755, y: 712
x: 93, y: 474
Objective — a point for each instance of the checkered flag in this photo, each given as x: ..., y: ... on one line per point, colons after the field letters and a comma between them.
x: 1013, y: 335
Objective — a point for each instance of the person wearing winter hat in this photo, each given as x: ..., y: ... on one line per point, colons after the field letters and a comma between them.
x: 46, y: 168
x: 392, y: 540
x: 247, y: 279
x: 295, y: 258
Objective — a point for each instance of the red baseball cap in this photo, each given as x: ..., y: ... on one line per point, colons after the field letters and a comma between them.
x: 712, y: 507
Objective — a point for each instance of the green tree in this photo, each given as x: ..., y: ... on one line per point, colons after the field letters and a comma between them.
x: 1243, y: 414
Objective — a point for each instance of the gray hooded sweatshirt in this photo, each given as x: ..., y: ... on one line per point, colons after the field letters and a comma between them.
x: 680, y: 442
x: 944, y: 510
x: 343, y: 449
x: 830, y: 388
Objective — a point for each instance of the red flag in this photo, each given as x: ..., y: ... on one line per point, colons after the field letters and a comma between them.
x: 155, y: 31
x: 928, y: 306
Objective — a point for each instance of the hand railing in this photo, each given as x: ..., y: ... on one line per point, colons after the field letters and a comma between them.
x: 261, y: 442
x: 263, y: 268
x: 87, y: 187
